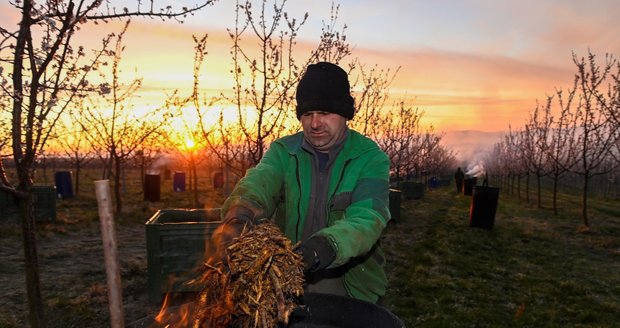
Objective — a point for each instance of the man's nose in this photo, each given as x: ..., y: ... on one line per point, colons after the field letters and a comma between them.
x: 316, y: 120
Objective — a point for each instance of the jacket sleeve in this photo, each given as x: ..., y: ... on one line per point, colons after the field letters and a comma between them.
x: 368, y: 213
x: 259, y: 190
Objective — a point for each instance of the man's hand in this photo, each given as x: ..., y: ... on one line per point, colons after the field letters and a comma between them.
x: 317, y: 253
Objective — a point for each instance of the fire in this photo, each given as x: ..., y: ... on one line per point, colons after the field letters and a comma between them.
x: 219, y: 296
x: 168, y: 316
x: 163, y: 312
x: 258, y: 284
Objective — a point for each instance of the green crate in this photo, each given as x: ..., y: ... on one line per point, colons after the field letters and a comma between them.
x: 395, y: 201
x: 6, y: 205
x: 412, y: 190
x: 44, y: 204
x: 175, y: 246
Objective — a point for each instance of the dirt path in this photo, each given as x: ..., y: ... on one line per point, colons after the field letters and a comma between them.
x: 73, y: 275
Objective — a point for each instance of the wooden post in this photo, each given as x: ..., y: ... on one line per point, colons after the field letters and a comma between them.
x: 108, y: 236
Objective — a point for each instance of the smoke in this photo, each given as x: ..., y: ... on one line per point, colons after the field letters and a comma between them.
x: 475, y: 169
x: 157, y: 165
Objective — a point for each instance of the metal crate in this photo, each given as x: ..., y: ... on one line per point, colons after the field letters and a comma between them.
x: 44, y: 204
x: 175, y: 241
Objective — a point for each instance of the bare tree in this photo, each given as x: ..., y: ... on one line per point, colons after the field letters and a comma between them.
x: 431, y: 144
x: 271, y: 75
x: 561, y: 151
x: 46, y: 72
x: 597, y: 134
x: 73, y: 143
x: 264, y: 82
x: 116, y: 127
x: 371, y: 99
x: 219, y: 139
x: 145, y: 156
x: 536, y: 144
x: 610, y: 103
x: 422, y: 142
x: 5, y: 120
x: 441, y: 160
x: 333, y: 45
x: 514, y: 167
x: 495, y: 163
x: 396, y: 135
x: 409, y: 145
x: 189, y: 145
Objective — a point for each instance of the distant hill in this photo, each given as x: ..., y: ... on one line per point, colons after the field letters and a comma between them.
x: 471, y: 145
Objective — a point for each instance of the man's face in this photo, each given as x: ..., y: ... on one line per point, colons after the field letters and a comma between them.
x: 322, y: 129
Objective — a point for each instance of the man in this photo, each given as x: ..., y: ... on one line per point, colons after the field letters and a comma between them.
x: 459, y: 176
x: 326, y: 187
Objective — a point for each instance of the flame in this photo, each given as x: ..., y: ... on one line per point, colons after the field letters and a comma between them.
x: 217, y: 299
x: 184, y: 315
x: 233, y: 284
x: 180, y: 316
x: 160, y: 317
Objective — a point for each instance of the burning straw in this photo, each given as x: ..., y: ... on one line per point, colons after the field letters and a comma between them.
x: 261, y: 285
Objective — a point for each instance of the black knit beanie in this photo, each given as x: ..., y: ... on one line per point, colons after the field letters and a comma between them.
x: 325, y: 87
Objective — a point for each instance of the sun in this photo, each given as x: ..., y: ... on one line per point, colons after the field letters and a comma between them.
x: 189, y: 143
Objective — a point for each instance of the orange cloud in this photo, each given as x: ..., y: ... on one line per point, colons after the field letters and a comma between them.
x: 457, y: 90
x: 461, y: 91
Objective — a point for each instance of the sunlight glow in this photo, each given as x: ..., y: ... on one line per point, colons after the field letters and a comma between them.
x: 189, y: 144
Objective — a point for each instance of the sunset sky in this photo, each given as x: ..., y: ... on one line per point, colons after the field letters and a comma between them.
x: 477, y: 65
x: 470, y: 64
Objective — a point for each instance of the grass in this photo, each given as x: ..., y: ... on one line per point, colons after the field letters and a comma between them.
x: 73, y: 282
x: 532, y: 270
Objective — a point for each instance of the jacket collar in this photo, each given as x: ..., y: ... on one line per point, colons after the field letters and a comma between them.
x: 333, y: 152
x: 355, y: 143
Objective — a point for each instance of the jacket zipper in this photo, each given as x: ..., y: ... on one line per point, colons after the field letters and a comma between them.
x: 299, y: 199
x: 329, y: 201
x: 344, y: 168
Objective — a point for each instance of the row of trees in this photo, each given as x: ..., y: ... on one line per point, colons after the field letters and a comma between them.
x: 265, y: 106
x: 43, y: 73
x: 575, y: 132
x: 51, y: 104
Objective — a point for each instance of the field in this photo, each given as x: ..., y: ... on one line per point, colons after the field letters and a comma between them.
x: 532, y: 270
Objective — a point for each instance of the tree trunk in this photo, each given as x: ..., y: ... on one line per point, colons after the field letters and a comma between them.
x: 584, y: 200
x: 195, y: 182
x: 117, y: 185
x: 555, y: 194
x: 538, y: 190
x: 527, y: 188
x: 142, y: 170
x: 77, y: 177
x: 31, y: 261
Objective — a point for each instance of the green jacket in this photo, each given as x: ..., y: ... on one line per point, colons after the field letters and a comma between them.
x: 279, y: 186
